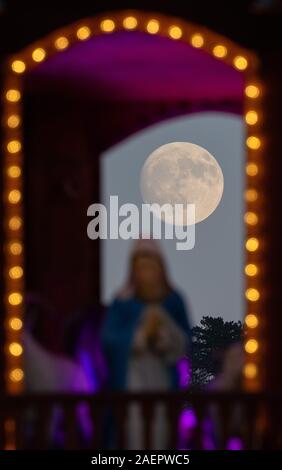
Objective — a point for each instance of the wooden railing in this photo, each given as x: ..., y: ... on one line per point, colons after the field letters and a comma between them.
x: 80, y: 421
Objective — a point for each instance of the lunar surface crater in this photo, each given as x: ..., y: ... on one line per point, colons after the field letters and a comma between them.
x: 182, y: 173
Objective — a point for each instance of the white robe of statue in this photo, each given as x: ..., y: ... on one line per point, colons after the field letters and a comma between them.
x: 148, y: 373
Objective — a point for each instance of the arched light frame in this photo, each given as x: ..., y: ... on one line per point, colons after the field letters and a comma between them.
x: 13, y: 167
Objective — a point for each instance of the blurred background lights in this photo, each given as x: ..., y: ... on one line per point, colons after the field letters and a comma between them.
x: 153, y: 26
x: 251, y: 218
x: 251, y: 346
x: 13, y: 95
x: 15, y: 298
x: 15, y: 223
x: 61, y: 43
x: 197, y: 40
x: 16, y: 375
x: 14, y: 196
x: 220, y: 51
x: 18, y: 66
x: 251, y: 117
x: 252, y: 244
x: 15, y: 349
x: 252, y: 91
x: 130, y: 22
x: 252, y: 169
x: 175, y: 32
x: 14, y: 146
x: 250, y: 370
x: 251, y: 320
x: 15, y: 323
x: 16, y: 272
x: 38, y: 54
x: 253, y: 142
x: 14, y: 171
x: 13, y: 121
x: 83, y: 33
x: 107, y: 25
x: 252, y: 294
x: 251, y: 195
x: 15, y: 248
x: 251, y: 269
x: 240, y: 62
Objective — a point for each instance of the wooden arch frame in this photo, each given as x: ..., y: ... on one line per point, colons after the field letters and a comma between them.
x: 13, y: 222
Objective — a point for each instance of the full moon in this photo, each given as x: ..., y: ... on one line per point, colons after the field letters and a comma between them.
x: 182, y: 173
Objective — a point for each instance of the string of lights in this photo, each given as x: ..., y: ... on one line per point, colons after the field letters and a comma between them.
x: 198, y: 37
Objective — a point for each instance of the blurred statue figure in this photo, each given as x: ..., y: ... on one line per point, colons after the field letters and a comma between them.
x: 48, y: 372
x: 146, y: 332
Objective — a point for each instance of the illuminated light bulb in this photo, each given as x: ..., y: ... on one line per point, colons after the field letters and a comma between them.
x: 219, y: 51
x: 15, y: 349
x: 197, y: 40
x: 153, y: 26
x: 251, y: 118
x: 250, y: 370
x: 16, y: 323
x: 14, y: 196
x: 252, y: 244
x: 251, y: 346
x: 13, y: 121
x: 15, y: 223
x: 15, y: 298
x: 14, y: 171
x: 253, y: 142
x: 61, y: 43
x: 251, y: 320
x: 252, y: 169
x: 38, y: 54
x: 240, y: 62
x: 252, y: 91
x: 252, y: 294
x: 251, y: 195
x: 16, y: 375
x: 175, y: 32
x: 13, y: 95
x: 14, y: 146
x: 130, y: 22
x: 18, y: 66
x: 251, y: 269
x: 15, y: 248
x: 16, y: 272
x: 251, y: 218
x: 107, y: 26
x: 83, y: 33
